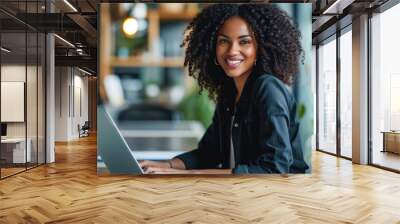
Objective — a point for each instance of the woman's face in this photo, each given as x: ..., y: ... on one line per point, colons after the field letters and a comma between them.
x: 236, y: 48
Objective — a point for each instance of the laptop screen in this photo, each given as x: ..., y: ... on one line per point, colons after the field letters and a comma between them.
x: 112, y: 147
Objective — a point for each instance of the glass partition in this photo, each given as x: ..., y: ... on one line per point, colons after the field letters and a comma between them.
x: 22, y: 88
x: 14, y: 152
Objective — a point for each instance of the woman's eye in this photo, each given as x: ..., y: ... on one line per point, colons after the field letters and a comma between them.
x: 245, y: 42
x: 222, y: 41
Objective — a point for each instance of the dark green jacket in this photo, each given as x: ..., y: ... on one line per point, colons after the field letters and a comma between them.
x: 265, y: 133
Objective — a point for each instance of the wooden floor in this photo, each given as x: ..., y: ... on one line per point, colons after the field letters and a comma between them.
x: 10, y: 171
x: 69, y: 191
x: 5, y: 172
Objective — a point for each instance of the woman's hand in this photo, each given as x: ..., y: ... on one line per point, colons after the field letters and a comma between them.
x: 158, y: 170
x: 175, y: 164
x: 165, y: 170
x: 146, y: 164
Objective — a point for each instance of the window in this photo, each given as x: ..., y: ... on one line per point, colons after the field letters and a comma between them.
x: 327, y: 97
x: 385, y: 87
x: 346, y: 94
x: 314, y: 94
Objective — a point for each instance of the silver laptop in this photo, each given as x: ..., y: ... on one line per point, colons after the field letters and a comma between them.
x: 112, y: 147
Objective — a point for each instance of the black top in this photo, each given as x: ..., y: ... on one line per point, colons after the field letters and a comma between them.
x: 265, y: 131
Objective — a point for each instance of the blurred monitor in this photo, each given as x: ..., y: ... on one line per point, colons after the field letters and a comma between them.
x: 3, y: 130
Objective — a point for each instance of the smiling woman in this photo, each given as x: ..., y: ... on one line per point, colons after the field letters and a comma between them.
x: 245, y: 56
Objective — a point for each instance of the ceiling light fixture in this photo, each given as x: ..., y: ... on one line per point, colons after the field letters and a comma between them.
x: 329, y: 9
x: 337, y: 7
x: 65, y: 41
x: 5, y: 50
x: 84, y: 71
x: 70, y: 5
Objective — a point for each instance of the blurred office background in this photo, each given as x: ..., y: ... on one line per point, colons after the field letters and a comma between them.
x: 143, y: 71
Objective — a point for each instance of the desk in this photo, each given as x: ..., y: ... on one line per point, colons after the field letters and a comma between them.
x: 16, y: 147
x: 161, y: 140
x: 391, y: 141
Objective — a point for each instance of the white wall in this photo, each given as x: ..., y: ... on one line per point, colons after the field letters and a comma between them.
x: 71, y: 94
x: 14, y: 73
x: 62, y: 81
x: 17, y: 73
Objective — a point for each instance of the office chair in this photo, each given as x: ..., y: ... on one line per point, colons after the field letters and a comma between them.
x: 84, y: 130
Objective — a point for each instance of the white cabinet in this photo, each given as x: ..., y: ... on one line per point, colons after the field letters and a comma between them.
x: 18, y: 149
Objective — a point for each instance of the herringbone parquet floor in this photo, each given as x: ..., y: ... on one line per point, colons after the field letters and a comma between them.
x: 69, y: 191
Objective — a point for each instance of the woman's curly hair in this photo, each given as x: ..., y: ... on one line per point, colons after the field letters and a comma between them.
x: 278, y: 41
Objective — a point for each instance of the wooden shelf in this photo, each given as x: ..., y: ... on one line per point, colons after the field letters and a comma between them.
x: 186, y: 16
x: 162, y: 15
x: 171, y: 62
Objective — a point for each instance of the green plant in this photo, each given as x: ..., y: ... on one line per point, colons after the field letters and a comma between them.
x: 198, y: 107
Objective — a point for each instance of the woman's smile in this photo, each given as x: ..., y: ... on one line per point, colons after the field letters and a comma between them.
x: 233, y: 63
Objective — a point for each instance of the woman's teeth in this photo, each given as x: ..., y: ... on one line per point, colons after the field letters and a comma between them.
x: 233, y: 63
